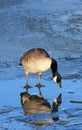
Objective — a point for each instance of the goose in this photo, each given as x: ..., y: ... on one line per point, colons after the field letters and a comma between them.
x: 37, y: 60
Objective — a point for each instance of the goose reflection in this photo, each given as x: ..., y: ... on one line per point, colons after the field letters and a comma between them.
x: 38, y: 104
x: 34, y: 104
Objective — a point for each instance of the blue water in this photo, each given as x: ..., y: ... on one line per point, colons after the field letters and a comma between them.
x: 57, y: 27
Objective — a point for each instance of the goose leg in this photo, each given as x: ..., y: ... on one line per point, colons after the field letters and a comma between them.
x: 38, y: 84
x: 39, y: 77
x: 40, y: 93
x: 27, y: 86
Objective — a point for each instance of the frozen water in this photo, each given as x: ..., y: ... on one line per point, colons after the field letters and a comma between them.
x: 57, y: 27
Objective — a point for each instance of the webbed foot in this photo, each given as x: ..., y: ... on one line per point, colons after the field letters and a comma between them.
x: 27, y: 87
x: 39, y: 85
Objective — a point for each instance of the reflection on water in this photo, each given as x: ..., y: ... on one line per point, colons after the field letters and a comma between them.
x: 34, y: 104
x: 61, y: 113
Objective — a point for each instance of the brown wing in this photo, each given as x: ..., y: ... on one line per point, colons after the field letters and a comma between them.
x: 34, y: 53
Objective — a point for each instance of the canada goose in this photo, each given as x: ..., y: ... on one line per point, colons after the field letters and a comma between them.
x: 37, y: 61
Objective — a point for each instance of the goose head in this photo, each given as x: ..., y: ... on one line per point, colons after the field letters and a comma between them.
x: 56, y: 76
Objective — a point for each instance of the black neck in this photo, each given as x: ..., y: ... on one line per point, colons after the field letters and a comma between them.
x: 54, y: 67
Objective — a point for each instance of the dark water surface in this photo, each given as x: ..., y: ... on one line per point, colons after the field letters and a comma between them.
x: 57, y: 27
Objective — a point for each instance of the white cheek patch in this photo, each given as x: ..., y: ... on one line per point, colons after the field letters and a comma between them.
x: 55, y: 101
x: 55, y: 79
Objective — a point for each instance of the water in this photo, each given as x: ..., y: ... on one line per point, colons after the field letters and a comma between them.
x: 57, y: 27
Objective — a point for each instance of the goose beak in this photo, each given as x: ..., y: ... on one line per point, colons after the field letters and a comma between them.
x: 60, y: 85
